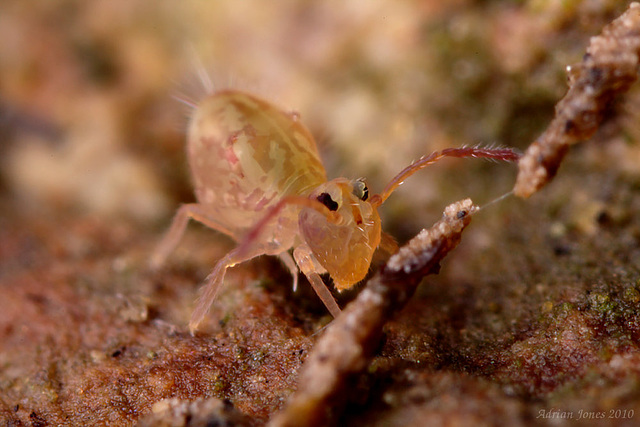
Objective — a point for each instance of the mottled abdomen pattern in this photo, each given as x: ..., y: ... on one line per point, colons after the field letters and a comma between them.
x: 245, y: 155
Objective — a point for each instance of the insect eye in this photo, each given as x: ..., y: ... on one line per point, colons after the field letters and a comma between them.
x: 325, y: 199
x: 360, y: 189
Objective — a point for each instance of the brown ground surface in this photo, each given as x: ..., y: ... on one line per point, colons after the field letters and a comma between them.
x: 532, y: 318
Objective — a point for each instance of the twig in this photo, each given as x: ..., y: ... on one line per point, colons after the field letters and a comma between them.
x: 608, y: 68
x: 348, y: 344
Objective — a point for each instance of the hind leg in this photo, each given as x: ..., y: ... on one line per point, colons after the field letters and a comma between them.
x: 176, y: 231
x: 214, y: 281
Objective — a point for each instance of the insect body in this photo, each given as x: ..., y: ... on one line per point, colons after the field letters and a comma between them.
x: 258, y: 178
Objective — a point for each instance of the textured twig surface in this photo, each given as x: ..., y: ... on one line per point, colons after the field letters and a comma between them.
x: 348, y: 344
x: 608, y: 68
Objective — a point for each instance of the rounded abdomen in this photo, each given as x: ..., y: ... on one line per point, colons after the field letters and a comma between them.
x: 245, y: 155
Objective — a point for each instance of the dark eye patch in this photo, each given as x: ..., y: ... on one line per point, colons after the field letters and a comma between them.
x: 365, y: 194
x: 326, y: 200
x: 360, y: 189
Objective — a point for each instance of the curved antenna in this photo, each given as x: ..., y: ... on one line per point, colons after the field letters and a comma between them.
x: 254, y: 233
x: 506, y: 154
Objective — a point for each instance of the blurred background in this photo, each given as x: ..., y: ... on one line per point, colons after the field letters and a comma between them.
x: 89, y: 121
x: 542, y: 295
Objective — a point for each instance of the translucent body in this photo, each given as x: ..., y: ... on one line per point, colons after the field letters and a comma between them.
x: 244, y: 156
x: 258, y: 178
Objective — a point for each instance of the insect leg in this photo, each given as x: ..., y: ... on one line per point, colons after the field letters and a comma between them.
x: 214, y: 281
x: 287, y: 260
x: 178, y: 225
x: 388, y: 243
x: 304, y: 259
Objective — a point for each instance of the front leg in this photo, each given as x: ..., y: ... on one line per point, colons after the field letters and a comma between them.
x: 311, y: 268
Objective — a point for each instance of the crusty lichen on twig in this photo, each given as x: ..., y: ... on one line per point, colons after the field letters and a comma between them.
x: 609, y: 68
x: 348, y: 343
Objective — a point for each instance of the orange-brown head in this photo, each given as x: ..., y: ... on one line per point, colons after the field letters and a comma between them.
x: 344, y: 248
